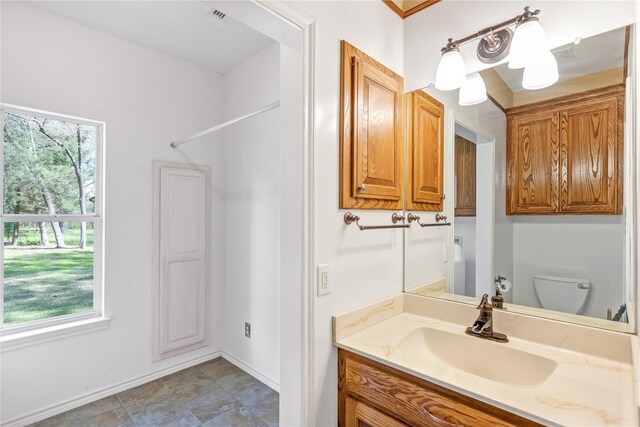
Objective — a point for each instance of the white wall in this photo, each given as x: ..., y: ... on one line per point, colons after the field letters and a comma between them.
x: 252, y: 195
x: 424, y: 253
x: 633, y: 180
x: 427, y: 32
x: 502, y: 224
x: 147, y: 100
x: 485, y: 189
x: 591, y: 247
x: 365, y: 265
x: 465, y: 229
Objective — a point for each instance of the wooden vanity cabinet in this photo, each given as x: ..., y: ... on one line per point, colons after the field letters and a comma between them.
x: 425, y: 152
x: 372, y: 394
x: 565, y: 156
x: 371, y: 139
x: 465, y: 173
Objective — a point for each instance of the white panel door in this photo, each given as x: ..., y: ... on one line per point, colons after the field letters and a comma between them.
x: 182, y: 231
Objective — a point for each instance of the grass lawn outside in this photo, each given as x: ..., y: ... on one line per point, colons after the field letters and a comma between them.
x: 41, y: 283
x: 31, y: 236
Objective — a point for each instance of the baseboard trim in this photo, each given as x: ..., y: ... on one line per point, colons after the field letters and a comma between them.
x: 269, y: 382
x: 117, y: 388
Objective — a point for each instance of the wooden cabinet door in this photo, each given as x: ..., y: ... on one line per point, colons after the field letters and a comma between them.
x: 359, y: 414
x: 425, y: 153
x: 465, y: 173
x: 532, y: 164
x: 377, y: 154
x: 371, y: 162
x: 591, y: 157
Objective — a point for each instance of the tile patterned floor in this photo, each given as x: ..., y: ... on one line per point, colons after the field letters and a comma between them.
x: 213, y: 394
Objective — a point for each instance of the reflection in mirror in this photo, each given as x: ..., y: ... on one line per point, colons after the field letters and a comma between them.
x: 541, y: 207
x: 464, y: 254
x: 473, y: 168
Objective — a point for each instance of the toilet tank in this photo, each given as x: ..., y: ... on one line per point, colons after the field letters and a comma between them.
x: 559, y: 293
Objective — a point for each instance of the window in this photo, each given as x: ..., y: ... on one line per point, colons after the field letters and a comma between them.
x: 51, y: 267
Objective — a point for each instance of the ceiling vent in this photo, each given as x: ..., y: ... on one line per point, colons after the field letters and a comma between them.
x: 218, y: 14
x: 564, y: 52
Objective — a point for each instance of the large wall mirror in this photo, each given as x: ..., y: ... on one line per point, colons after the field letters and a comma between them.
x: 539, y: 192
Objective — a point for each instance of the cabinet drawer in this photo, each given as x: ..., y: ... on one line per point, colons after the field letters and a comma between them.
x: 360, y: 414
x: 415, y: 401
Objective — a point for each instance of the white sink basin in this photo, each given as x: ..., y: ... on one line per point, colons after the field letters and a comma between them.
x: 486, y: 359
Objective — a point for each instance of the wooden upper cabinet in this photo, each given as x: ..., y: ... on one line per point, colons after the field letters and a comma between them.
x: 371, y: 172
x: 425, y: 152
x: 465, y: 173
x: 589, y: 157
x: 565, y: 156
x: 532, y: 164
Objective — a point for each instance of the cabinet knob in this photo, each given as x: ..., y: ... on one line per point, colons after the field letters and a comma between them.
x: 362, y: 188
x: 443, y: 196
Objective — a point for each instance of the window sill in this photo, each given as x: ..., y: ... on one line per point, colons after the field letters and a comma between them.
x: 38, y: 336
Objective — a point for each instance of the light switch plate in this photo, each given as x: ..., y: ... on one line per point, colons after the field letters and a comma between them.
x: 324, y: 279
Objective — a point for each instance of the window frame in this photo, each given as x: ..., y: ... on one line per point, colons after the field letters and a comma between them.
x: 97, y: 218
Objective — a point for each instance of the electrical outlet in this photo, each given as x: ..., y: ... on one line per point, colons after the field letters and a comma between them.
x: 247, y: 329
x: 324, y: 280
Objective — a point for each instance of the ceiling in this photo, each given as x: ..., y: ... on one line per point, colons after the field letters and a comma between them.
x: 598, y: 53
x: 186, y: 30
x: 406, y: 8
x: 406, y: 5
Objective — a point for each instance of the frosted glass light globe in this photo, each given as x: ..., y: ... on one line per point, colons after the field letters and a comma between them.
x: 529, y: 42
x: 473, y: 91
x: 451, y: 72
x: 541, y: 73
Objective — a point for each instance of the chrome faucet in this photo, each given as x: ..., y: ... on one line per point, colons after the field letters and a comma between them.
x: 483, y: 326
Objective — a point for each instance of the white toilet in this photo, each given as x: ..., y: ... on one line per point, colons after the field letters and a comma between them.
x: 558, y: 293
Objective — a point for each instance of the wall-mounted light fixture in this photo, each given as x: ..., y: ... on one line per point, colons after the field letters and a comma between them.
x: 526, y: 48
x: 473, y: 91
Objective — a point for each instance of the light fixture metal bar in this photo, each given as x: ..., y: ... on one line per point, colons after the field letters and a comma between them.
x: 494, y: 28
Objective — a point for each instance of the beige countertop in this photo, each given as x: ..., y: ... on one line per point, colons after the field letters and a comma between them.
x: 591, y: 385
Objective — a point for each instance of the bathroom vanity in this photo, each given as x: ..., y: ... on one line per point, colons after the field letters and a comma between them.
x: 406, y: 360
x: 372, y: 393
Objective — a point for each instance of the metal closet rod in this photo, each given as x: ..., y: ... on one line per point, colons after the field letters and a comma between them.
x: 223, y: 125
